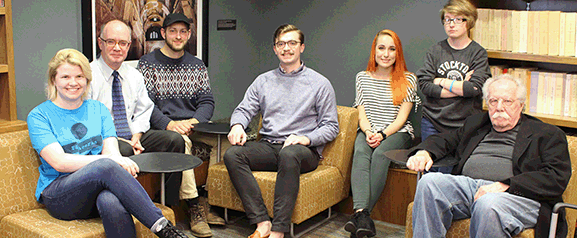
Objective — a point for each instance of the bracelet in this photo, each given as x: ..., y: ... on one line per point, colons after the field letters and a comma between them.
x: 451, y: 88
x: 365, y: 131
x: 383, y: 134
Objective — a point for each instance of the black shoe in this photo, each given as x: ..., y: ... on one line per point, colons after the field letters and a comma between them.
x: 169, y: 231
x: 351, y: 225
x: 365, y: 225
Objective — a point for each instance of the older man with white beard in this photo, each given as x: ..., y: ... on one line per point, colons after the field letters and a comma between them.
x: 513, y: 169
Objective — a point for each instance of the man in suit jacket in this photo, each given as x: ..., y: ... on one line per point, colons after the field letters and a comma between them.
x: 515, y: 169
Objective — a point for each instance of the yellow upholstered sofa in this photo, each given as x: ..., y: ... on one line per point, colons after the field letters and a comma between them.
x: 319, y: 189
x: 460, y: 228
x: 21, y: 215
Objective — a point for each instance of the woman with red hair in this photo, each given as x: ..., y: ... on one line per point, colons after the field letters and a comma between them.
x: 385, y: 94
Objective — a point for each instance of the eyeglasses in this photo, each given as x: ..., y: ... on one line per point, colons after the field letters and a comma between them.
x: 456, y: 20
x: 173, y: 31
x: 112, y: 43
x: 507, y: 102
x: 291, y: 44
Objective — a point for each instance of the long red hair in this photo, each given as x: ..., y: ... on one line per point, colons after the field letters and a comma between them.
x: 399, y: 83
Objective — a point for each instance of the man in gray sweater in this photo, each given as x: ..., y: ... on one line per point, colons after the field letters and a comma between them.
x: 299, y: 113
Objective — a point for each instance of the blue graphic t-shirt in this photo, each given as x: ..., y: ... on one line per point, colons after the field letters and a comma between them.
x: 79, y: 131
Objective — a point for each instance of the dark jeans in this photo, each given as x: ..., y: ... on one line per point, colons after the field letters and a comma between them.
x: 102, y: 188
x: 427, y: 129
x: 289, y: 162
x: 161, y: 141
x: 155, y: 141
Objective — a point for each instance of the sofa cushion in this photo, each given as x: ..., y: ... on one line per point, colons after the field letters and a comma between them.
x: 38, y: 223
x: 317, y: 188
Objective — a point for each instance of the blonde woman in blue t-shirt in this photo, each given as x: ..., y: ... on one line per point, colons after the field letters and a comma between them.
x: 82, y: 174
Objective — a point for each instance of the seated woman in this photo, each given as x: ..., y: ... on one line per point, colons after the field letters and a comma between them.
x: 385, y: 94
x: 82, y: 174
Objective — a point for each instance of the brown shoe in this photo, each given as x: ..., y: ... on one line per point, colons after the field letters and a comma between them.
x: 212, y: 217
x: 256, y: 234
x: 198, y: 225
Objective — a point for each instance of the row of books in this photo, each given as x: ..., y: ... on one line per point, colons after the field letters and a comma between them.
x: 548, y: 92
x: 531, y: 32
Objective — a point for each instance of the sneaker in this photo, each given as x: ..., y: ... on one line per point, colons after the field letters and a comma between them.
x: 212, y: 217
x: 198, y: 225
x: 169, y: 231
x: 365, y: 225
x: 351, y: 225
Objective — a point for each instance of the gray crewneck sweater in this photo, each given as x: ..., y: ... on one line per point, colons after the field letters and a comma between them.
x: 302, y: 103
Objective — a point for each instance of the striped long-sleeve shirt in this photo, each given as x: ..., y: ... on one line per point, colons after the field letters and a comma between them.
x: 377, y: 98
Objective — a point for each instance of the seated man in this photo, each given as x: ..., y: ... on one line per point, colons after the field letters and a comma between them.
x: 515, y: 169
x: 299, y: 114
x: 179, y: 108
x: 121, y: 88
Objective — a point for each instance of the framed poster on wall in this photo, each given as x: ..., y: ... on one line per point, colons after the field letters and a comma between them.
x: 145, y: 18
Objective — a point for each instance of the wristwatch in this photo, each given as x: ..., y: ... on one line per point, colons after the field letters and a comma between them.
x: 383, y: 134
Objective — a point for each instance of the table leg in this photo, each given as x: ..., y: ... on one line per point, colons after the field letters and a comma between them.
x: 218, y: 149
x: 162, y: 198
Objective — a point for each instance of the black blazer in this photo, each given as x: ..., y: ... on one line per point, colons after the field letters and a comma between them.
x: 541, y: 162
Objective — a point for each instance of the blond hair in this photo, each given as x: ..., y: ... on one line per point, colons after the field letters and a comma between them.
x: 67, y: 56
x: 463, y: 8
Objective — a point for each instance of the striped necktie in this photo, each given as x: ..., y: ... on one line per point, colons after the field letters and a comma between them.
x: 119, y: 110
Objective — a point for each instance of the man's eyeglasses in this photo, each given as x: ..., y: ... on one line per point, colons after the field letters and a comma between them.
x: 507, y: 102
x: 112, y: 43
x: 456, y: 20
x: 291, y: 44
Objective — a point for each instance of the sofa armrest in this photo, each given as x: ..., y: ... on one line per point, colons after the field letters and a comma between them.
x: 339, y: 152
x: 18, y: 173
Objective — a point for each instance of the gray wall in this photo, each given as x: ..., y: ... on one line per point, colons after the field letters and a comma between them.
x: 41, y: 28
x: 338, y: 35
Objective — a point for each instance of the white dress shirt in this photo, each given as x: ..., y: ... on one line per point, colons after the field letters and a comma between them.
x: 138, y: 104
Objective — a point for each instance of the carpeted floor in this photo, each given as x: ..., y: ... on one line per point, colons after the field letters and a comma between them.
x: 238, y: 227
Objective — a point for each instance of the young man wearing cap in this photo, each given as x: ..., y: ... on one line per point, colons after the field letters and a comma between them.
x: 179, y: 86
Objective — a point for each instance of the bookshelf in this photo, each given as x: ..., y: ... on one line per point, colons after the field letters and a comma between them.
x: 493, y: 54
x: 545, y: 62
x: 8, y: 117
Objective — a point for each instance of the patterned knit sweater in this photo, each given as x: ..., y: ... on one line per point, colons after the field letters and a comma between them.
x: 179, y: 88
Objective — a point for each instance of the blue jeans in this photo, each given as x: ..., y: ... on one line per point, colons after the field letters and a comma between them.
x: 442, y: 198
x: 370, y: 168
x: 101, y: 188
x: 427, y: 129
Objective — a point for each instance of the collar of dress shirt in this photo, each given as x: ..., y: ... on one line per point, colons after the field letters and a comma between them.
x: 107, y: 71
x: 300, y: 68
